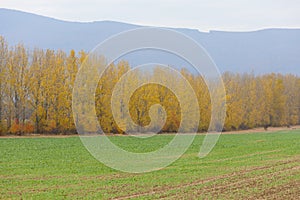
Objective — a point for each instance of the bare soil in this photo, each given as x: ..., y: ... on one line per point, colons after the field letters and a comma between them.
x: 255, y: 130
x: 235, y: 185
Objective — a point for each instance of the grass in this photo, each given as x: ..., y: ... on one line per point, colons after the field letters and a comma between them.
x: 240, y: 166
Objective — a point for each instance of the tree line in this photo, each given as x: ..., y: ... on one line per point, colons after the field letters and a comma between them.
x: 36, y: 95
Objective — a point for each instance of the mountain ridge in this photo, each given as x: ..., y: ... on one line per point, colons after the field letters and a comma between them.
x: 262, y: 51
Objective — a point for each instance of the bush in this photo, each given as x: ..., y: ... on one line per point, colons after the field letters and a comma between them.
x: 19, y: 128
x: 2, y: 129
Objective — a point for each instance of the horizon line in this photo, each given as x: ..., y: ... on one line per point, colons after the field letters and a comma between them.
x: 145, y: 25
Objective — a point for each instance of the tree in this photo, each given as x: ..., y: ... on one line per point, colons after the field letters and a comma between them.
x: 17, y: 86
x: 3, y: 80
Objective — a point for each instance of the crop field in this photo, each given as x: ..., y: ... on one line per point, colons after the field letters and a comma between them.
x: 241, y: 166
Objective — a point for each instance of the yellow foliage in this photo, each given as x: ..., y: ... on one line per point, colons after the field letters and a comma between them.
x: 36, y: 87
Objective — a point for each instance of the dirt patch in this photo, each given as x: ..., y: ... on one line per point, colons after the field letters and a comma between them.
x: 234, y: 175
x: 241, y: 183
x: 290, y: 190
x: 38, y: 136
x: 262, y: 130
x: 255, y: 130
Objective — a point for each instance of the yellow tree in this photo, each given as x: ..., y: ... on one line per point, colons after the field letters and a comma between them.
x: 3, y: 78
x: 234, y: 100
x: 17, y: 69
x: 58, y: 93
x: 291, y: 92
x: 72, y: 65
x: 203, y: 96
x: 279, y: 102
x: 36, y: 77
x: 46, y: 88
x: 103, y: 99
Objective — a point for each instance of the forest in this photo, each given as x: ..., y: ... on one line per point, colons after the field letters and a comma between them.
x: 36, y: 88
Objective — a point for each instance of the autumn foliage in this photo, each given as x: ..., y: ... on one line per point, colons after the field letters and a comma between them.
x: 36, y: 95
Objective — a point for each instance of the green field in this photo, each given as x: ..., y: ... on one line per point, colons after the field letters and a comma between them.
x: 252, y: 166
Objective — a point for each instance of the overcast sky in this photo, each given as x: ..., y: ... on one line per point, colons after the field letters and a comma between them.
x: 234, y: 15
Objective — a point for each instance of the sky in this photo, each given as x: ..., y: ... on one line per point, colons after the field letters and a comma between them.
x: 204, y: 15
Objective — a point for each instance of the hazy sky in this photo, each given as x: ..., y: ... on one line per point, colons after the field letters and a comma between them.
x: 238, y: 15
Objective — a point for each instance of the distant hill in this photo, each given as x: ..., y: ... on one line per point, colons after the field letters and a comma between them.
x: 263, y: 51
